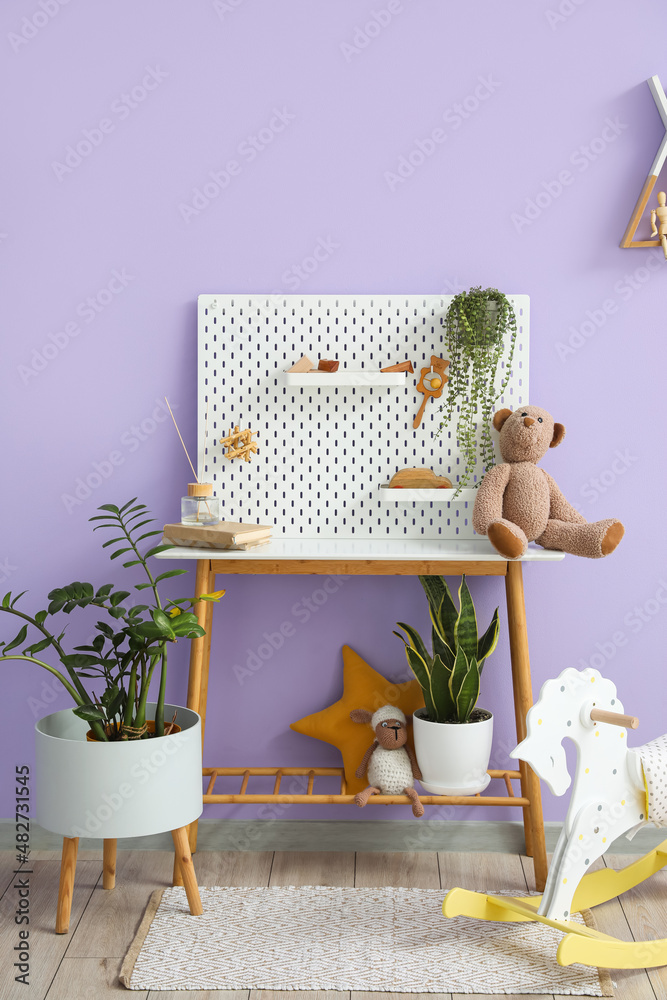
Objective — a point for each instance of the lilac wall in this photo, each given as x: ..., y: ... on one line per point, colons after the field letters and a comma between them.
x: 103, y: 258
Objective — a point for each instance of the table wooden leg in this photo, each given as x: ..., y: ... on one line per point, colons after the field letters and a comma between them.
x: 523, y: 699
x: 66, y: 886
x: 200, y: 654
x: 177, y: 878
x: 109, y: 864
x: 187, y: 870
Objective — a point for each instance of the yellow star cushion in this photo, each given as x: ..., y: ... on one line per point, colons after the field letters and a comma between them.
x: 363, y: 687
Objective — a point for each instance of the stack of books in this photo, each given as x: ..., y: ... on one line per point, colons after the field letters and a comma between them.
x: 224, y: 535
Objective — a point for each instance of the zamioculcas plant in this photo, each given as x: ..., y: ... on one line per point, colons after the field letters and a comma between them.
x: 130, y: 644
x: 450, y: 675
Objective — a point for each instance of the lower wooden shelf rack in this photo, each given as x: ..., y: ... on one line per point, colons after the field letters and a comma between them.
x: 310, y: 797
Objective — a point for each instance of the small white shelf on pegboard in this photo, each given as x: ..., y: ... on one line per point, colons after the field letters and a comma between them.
x: 315, y: 380
x: 440, y: 497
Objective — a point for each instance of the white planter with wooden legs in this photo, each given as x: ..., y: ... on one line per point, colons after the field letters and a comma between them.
x: 122, y: 789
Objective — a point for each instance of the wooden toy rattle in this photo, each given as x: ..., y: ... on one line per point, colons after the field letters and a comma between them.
x: 431, y: 383
x: 239, y: 444
x: 616, y: 790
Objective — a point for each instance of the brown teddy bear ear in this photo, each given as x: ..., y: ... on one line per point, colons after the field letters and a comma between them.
x: 500, y: 417
x: 360, y: 715
x: 559, y: 434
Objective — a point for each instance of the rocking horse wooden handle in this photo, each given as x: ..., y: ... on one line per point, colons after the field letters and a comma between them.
x: 614, y: 718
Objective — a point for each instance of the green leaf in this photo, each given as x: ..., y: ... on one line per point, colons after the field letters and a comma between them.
x: 91, y: 713
x: 441, y: 607
x: 40, y: 617
x: 18, y: 597
x: 458, y: 674
x: 465, y: 630
x: 158, y: 548
x: 105, y: 590
x: 120, y: 552
x: 17, y: 640
x: 126, y: 505
x: 441, y: 649
x: 443, y: 703
x: 469, y: 692
x: 416, y: 641
x: 420, y: 669
x: 148, y: 534
x: 110, y: 541
x: 117, y: 612
x: 6, y: 599
x: 142, y: 586
x: 79, y: 661
x: 148, y: 630
x: 132, y: 562
x: 162, y: 620
x: 488, y: 641
x: 170, y: 572
x: 188, y: 631
x: 119, y: 596
x: 105, y: 629
x: 37, y: 647
x: 110, y: 507
x: 135, y: 527
x: 109, y: 694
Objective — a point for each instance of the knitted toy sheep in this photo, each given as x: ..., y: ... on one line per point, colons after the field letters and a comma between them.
x: 518, y: 503
x: 391, y: 764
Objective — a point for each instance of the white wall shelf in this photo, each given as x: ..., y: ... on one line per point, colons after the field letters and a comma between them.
x: 389, y: 494
x: 344, y: 377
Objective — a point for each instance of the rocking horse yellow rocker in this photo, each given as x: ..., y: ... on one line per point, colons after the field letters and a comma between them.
x: 616, y: 790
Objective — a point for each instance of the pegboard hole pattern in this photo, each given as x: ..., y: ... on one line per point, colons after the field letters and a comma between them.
x: 324, y: 452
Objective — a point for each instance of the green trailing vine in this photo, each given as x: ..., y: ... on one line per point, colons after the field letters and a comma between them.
x: 480, y: 326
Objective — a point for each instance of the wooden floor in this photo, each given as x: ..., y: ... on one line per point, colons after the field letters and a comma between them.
x: 84, y: 964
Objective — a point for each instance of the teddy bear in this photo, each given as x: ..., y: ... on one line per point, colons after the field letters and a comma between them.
x: 390, y: 762
x: 518, y: 503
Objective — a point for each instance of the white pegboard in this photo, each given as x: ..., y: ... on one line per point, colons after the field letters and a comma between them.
x: 324, y: 452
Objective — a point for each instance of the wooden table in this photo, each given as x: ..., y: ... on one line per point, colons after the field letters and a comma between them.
x: 374, y: 557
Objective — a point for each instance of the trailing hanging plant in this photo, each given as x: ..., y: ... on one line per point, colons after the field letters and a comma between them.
x: 480, y: 325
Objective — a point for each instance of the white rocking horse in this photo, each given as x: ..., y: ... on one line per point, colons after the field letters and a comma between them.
x: 610, y: 797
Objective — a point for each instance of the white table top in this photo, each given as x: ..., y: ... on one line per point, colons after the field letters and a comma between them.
x: 474, y: 549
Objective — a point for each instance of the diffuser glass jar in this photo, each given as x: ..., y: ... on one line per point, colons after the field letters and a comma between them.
x: 200, y: 506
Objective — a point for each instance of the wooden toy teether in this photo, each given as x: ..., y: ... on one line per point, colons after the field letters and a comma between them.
x: 431, y: 383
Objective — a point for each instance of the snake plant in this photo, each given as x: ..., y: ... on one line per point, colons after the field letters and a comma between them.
x: 450, y: 674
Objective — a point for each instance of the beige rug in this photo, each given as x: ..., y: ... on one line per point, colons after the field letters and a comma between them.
x: 321, y: 938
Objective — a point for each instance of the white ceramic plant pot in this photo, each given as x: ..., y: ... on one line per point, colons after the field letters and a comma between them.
x: 123, y: 789
x: 453, y: 758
